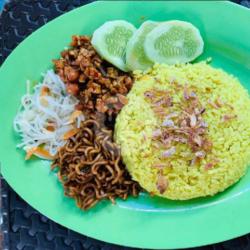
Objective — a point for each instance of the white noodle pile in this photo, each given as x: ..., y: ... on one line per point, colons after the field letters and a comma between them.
x: 43, y: 119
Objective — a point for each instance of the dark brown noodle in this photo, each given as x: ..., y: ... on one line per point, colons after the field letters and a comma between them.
x: 91, y: 169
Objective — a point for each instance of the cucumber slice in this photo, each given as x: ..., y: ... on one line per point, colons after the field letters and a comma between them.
x: 110, y: 41
x: 135, y: 54
x: 174, y: 42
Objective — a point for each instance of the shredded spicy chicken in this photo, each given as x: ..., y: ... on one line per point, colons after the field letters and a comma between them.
x: 97, y: 84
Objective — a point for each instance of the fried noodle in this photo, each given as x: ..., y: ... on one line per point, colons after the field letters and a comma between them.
x: 91, y: 169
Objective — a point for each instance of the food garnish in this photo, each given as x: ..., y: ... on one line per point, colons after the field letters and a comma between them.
x: 173, y: 42
x: 228, y: 117
x: 211, y: 164
x: 186, y: 127
x: 70, y: 133
x: 162, y: 182
x: 169, y: 152
x: 39, y: 152
x: 136, y: 58
x: 45, y: 116
x: 110, y: 41
x: 169, y: 42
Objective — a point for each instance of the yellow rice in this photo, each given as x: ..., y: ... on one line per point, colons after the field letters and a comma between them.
x: 231, y: 140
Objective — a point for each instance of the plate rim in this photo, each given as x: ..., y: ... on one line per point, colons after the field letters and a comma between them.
x: 10, y: 181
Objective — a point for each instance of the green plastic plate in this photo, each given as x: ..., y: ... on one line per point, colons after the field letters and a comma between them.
x: 144, y: 222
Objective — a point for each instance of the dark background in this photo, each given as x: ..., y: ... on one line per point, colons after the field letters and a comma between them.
x: 22, y: 227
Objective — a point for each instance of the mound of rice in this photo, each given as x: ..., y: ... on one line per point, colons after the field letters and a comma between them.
x: 231, y: 139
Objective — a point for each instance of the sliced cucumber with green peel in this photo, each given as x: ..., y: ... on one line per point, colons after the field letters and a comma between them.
x: 174, y: 42
x: 135, y: 55
x: 110, y: 41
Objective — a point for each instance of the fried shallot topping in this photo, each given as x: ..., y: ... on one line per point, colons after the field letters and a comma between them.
x: 182, y: 122
x: 186, y: 126
x: 162, y: 182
